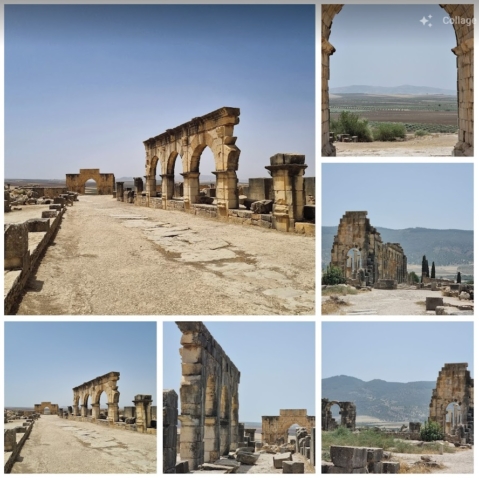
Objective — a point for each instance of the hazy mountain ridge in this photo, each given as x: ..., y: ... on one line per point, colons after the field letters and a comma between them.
x: 388, y: 401
x: 444, y: 247
x: 400, y: 89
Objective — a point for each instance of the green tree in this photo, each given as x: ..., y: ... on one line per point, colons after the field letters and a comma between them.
x: 431, y: 431
x: 433, y: 270
x: 350, y: 123
x: 333, y: 276
x: 458, y: 279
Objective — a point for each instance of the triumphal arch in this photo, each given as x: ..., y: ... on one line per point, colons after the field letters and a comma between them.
x: 276, y: 428
x: 92, y: 390
x: 213, y: 130
x: 464, y: 51
x: 105, y: 182
x: 40, y: 408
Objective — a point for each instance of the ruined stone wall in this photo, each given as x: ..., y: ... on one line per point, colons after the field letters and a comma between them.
x: 170, y: 421
x: 209, y: 397
x: 347, y: 410
x: 105, y: 182
x: 376, y: 261
x: 464, y: 50
x: 454, y: 385
x: 275, y: 428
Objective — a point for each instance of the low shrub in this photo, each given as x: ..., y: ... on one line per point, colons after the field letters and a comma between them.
x: 350, y: 123
x: 388, y: 132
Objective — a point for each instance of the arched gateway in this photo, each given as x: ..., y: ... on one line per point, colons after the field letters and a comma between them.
x: 213, y: 130
x: 275, y: 428
x: 105, y: 182
x: 465, y: 76
x: 93, y: 390
x: 40, y: 408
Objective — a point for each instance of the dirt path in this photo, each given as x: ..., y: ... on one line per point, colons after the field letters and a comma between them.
x: 57, y: 445
x: 393, y: 302
x: 114, y: 258
x: 436, y: 145
x: 461, y: 461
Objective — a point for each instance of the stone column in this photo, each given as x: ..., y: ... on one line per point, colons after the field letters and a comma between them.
x: 143, y: 412
x: 287, y: 170
x: 150, y: 185
x: 84, y: 410
x: 95, y: 410
x: 167, y: 188
x: 191, y: 395
x: 138, y: 182
x: 226, y: 191
x: 211, y: 444
x: 113, y: 415
x: 191, y: 189
x: 170, y: 421
x: 119, y: 191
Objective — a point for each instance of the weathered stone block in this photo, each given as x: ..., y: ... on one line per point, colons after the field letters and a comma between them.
x: 287, y: 159
x: 262, y: 207
x: 280, y: 458
x: 390, y: 467
x: 38, y: 224
x: 10, y: 440
x: 49, y: 214
x: 349, y: 457
x: 293, y: 467
x: 247, y: 458
x: 16, y: 246
x: 182, y: 467
x: 375, y: 467
x: 374, y: 455
x: 433, y: 302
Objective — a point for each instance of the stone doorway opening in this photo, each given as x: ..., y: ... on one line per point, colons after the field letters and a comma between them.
x: 462, y: 46
x: 452, y: 417
x: 353, y: 262
x: 46, y: 411
x: 91, y: 187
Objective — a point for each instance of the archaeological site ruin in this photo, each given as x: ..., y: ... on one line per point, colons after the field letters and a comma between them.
x: 211, y: 438
x: 363, y: 257
x: 454, y: 386
x: 105, y: 182
x: 347, y: 411
x: 464, y: 51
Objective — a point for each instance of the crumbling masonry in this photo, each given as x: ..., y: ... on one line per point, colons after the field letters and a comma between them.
x: 363, y: 258
x: 105, y: 182
x: 347, y: 410
x: 464, y: 51
x: 52, y: 407
x: 209, y: 397
x: 454, y: 386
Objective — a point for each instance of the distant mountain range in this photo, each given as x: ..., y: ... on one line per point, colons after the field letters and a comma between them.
x: 388, y: 401
x: 443, y: 247
x: 401, y: 89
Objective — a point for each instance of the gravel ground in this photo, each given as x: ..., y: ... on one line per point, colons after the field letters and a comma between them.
x: 392, y: 302
x: 462, y: 461
x: 115, y: 258
x: 57, y: 445
x: 437, y: 145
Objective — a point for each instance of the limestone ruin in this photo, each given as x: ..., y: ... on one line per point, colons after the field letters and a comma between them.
x: 454, y: 386
x: 105, y: 182
x: 347, y: 411
x: 40, y: 408
x: 363, y: 257
x: 464, y: 51
x: 275, y: 428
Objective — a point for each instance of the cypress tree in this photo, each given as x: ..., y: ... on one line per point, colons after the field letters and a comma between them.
x: 433, y: 270
x: 458, y: 280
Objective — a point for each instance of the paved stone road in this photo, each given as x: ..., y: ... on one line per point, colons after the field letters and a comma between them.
x: 115, y: 258
x: 57, y: 445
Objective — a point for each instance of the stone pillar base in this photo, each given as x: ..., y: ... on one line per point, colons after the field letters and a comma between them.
x: 462, y: 149
x: 328, y: 150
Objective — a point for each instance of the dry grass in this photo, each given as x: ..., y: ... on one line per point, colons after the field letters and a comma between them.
x: 420, y: 467
x: 339, y: 290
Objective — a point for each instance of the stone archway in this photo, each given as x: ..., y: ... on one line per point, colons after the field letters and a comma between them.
x: 94, y: 388
x: 275, y: 428
x: 464, y: 50
x: 187, y: 141
x: 347, y: 411
x: 40, y: 408
x: 105, y: 182
x: 454, y: 385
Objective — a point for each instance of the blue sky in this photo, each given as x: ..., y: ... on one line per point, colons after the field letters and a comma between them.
x: 400, y: 195
x: 276, y: 361
x: 85, y: 85
x: 44, y: 361
x: 387, y: 45
x: 395, y: 351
